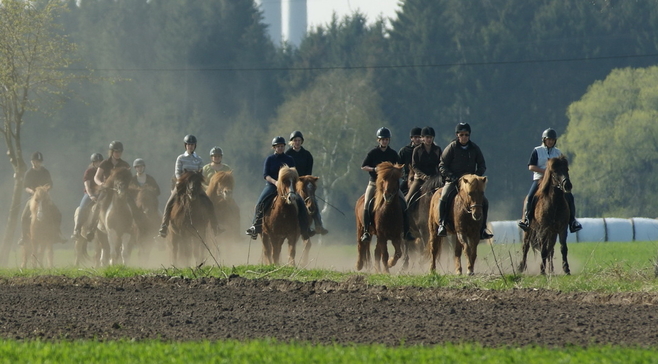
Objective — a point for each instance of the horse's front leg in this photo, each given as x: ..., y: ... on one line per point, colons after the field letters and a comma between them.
x: 397, y: 252
x: 526, y: 246
x: 277, y: 245
x: 306, y: 252
x: 292, y: 249
x: 472, y: 254
x: 459, y: 247
x: 378, y: 255
x: 564, y: 250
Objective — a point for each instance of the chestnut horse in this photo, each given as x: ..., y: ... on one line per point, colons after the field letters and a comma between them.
x: 220, y: 191
x: 306, y: 187
x: 551, y: 216
x: 116, y: 218
x: 419, y: 212
x: 190, y: 219
x: 464, y: 222
x: 386, y: 220
x: 44, y: 229
x: 146, y: 200
x: 281, y: 222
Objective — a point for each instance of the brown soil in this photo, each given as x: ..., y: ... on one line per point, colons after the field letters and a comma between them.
x: 175, y: 309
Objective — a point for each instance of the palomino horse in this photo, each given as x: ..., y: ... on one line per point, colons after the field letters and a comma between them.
x: 146, y: 201
x: 220, y: 192
x: 116, y: 218
x: 190, y: 219
x: 281, y: 222
x: 306, y: 187
x: 464, y: 222
x: 44, y: 229
x: 386, y: 220
x: 419, y: 211
x: 551, y: 216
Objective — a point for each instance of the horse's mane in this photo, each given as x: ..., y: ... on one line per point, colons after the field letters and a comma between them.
x: 122, y: 174
x: 386, y: 171
x: 551, y: 165
x: 220, y: 179
x: 186, y: 178
x: 285, y: 174
x: 432, y: 184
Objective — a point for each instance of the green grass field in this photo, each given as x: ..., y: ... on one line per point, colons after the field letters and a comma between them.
x: 599, y: 267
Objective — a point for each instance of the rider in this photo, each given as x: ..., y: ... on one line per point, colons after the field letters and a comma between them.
x: 425, y: 161
x: 141, y: 179
x: 271, y: 168
x: 381, y: 153
x: 215, y: 165
x: 90, y: 195
x: 537, y: 164
x: 460, y: 157
x: 36, y: 176
x: 187, y: 162
x: 406, y: 156
x: 304, y: 165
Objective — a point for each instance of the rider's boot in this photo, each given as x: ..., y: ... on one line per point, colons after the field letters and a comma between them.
x: 405, y: 225
x: 318, y: 224
x: 443, y: 210
x: 575, y: 226
x: 524, y: 223
x: 257, y: 227
x: 366, y: 226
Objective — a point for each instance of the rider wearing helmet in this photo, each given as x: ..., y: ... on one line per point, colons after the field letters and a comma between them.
x: 304, y: 165
x: 461, y: 157
x: 141, y: 179
x: 381, y: 153
x: 425, y: 161
x: 271, y: 168
x: 537, y: 164
x: 406, y: 155
x: 36, y: 176
x: 89, y: 197
x: 189, y: 161
x: 215, y: 165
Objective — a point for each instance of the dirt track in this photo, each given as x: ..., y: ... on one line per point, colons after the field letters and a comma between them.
x: 174, y: 309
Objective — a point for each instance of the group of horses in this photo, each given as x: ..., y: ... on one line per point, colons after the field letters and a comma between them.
x: 463, y: 222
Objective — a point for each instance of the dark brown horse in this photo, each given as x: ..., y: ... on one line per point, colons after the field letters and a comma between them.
x: 551, y: 216
x: 190, y: 219
x: 220, y: 191
x: 463, y: 222
x: 386, y: 219
x: 44, y: 229
x: 419, y: 211
x: 306, y: 187
x: 146, y: 200
x: 116, y: 218
x: 281, y: 222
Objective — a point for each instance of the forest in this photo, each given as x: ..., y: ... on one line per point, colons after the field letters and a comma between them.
x: 510, y: 68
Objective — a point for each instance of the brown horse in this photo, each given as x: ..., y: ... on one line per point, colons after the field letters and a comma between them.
x: 419, y: 211
x: 386, y: 219
x: 190, y: 219
x: 281, y: 222
x: 146, y: 200
x: 116, y: 218
x: 44, y: 229
x: 220, y: 191
x: 551, y: 216
x: 463, y: 222
x: 306, y: 187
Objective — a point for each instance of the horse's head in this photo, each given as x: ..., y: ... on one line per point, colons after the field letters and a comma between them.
x: 557, y: 174
x: 285, y: 184
x: 190, y: 184
x: 40, y: 198
x: 388, y: 182
x: 221, y: 185
x: 147, y: 199
x: 119, y: 181
x: 306, y: 187
x: 471, y: 192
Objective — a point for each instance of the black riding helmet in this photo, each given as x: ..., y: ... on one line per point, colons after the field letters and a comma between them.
x: 96, y: 157
x: 549, y: 133
x: 383, y: 133
x: 415, y: 131
x: 428, y: 131
x: 116, y: 146
x: 462, y: 127
x: 278, y: 140
x: 296, y: 134
x: 189, y: 139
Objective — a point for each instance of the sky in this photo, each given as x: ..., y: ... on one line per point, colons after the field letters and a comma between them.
x: 320, y: 11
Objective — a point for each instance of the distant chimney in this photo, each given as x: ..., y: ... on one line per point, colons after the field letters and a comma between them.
x: 271, y: 10
x: 294, y: 20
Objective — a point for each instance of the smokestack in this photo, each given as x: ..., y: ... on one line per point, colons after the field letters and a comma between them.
x: 271, y: 10
x: 294, y: 18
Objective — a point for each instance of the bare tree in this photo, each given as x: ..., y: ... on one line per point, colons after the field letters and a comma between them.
x: 33, y: 57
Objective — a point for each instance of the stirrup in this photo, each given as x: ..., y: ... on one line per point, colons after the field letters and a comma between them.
x: 163, y: 231
x: 442, y: 231
x: 523, y: 224
x: 252, y: 232
x: 485, y: 235
x: 365, y: 237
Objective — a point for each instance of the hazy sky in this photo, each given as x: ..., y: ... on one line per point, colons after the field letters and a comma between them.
x: 319, y: 11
